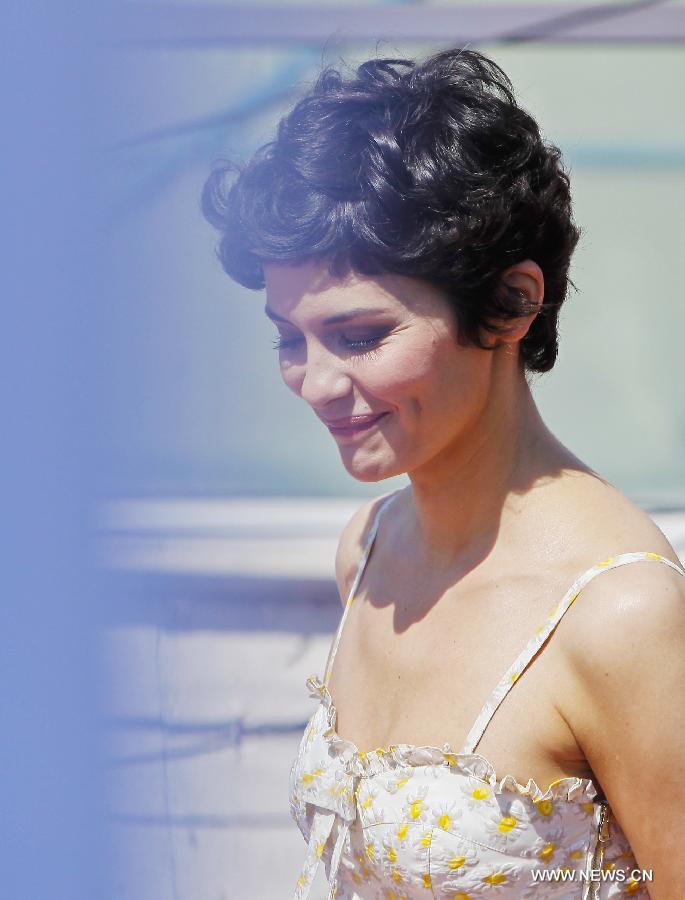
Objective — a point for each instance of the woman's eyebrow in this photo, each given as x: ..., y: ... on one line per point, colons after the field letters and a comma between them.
x: 333, y: 320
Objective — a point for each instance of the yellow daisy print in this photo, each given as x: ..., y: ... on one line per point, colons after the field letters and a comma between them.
x: 366, y: 798
x: 415, y: 805
x: 445, y: 814
x: 504, y: 826
x: 548, y: 851
x: 545, y: 807
x: 400, y: 781
x: 402, y: 831
x: 500, y: 878
x: 458, y: 862
x: 308, y: 777
x: 393, y: 855
x: 476, y: 793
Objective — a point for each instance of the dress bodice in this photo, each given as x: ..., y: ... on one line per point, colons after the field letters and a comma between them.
x: 413, y: 822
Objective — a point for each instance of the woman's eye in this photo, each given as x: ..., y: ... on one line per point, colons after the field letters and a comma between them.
x: 358, y: 344
x: 280, y: 343
x: 361, y: 343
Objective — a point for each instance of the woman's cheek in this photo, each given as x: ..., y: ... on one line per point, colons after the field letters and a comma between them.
x: 399, y: 371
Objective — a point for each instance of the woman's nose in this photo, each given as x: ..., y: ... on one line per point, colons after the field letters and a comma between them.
x: 324, y: 377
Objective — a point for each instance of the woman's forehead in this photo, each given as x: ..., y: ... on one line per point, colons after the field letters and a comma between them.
x: 310, y: 288
x: 313, y: 279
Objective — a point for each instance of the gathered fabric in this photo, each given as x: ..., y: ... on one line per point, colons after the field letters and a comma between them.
x: 413, y: 822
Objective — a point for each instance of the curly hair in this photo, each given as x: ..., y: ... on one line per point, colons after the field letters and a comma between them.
x: 429, y: 170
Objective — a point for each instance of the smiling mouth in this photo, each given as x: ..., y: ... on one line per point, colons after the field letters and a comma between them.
x: 363, y: 424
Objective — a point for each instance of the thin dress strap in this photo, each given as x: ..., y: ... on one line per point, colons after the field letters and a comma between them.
x: 542, y: 634
x: 355, y: 584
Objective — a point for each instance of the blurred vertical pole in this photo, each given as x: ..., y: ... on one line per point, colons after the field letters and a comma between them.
x: 52, y: 822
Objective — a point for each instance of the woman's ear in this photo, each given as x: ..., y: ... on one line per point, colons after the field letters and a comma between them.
x: 526, y: 279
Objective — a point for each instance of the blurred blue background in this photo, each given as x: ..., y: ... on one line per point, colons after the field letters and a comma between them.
x: 220, y: 494
x: 52, y: 828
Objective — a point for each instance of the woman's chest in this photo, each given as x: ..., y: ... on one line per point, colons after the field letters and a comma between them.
x: 426, y: 684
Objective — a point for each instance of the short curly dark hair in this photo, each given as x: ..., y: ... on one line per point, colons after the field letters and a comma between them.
x: 428, y: 170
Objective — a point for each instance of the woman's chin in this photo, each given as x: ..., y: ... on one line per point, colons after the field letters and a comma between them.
x: 370, y: 470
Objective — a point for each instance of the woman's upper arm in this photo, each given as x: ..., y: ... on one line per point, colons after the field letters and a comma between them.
x: 628, y: 662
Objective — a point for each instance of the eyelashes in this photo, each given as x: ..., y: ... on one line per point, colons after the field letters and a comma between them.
x: 368, y: 352
x: 359, y: 347
x: 280, y: 344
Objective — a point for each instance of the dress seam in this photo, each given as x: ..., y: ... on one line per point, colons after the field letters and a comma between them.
x: 456, y: 834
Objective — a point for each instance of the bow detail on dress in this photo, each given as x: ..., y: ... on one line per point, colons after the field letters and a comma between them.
x: 332, y: 794
x: 335, y: 804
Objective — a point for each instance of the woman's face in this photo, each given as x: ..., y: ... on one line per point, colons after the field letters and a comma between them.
x: 382, y: 348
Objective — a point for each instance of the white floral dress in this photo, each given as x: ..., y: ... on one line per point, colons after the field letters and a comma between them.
x: 413, y: 823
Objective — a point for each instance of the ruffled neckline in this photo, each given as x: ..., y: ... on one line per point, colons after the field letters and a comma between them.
x: 366, y: 762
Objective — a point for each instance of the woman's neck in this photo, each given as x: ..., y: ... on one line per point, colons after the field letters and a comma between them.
x: 462, y: 499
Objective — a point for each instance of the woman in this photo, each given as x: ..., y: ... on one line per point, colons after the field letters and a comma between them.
x: 414, y: 232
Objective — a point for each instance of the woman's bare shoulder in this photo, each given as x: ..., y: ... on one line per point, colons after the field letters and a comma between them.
x: 352, y: 542
x: 623, y: 637
x: 597, y: 522
x: 617, y: 600
x: 624, y: 690
x: 614, y: 524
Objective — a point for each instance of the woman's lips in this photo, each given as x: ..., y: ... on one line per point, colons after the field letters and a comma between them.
x: 354, y: 424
